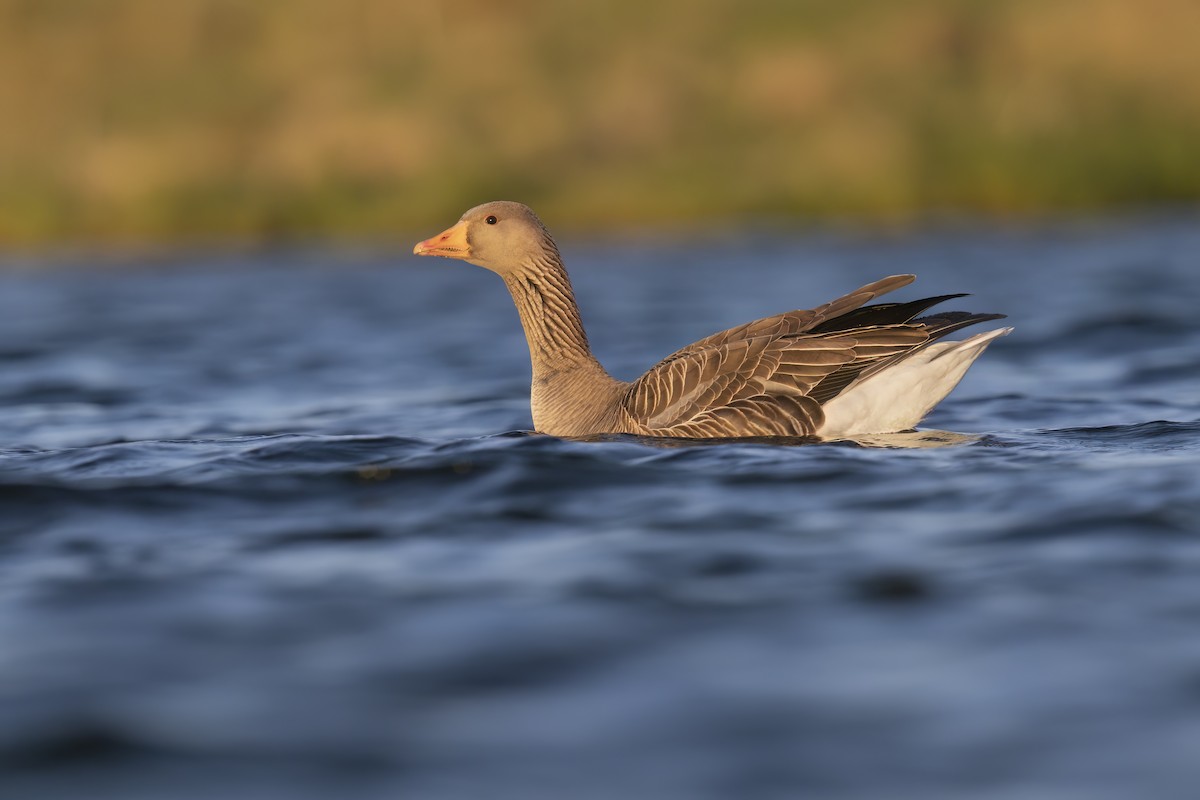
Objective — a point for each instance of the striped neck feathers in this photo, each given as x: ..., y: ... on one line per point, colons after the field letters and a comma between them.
x: 549, y: 314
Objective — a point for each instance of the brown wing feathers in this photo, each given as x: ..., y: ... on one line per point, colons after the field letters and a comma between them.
x: 770, y: 377
x: 800, y: 320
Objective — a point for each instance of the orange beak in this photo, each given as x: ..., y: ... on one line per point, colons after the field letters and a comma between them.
x: 451, y: 243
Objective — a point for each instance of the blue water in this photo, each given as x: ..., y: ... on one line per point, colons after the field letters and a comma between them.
x: 273, y: 526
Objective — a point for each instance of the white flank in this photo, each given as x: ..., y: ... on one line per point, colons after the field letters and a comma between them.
x: 897, y: 398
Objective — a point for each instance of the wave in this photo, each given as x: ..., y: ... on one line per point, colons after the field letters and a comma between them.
x: 1156, y: 434
x: 166, y: 463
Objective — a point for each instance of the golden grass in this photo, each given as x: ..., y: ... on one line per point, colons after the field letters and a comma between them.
x: 137, y: 120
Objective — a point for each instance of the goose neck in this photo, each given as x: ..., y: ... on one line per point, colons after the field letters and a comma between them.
x: 549, y: 314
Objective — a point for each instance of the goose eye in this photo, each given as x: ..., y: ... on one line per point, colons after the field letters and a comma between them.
x: 490, y: 220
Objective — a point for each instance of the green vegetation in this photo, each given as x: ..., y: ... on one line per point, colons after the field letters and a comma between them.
x: 131, y: 120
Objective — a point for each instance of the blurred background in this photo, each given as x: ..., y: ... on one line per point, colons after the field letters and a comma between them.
x: 272, y: 521
x: 139, y: 120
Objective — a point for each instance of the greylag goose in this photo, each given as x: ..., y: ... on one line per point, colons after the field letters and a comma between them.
x: 839, y: 370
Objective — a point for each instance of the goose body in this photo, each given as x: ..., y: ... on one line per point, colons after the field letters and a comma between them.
x: 841, y: 369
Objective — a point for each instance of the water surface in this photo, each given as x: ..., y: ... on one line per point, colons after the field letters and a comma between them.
x: 273, y: 526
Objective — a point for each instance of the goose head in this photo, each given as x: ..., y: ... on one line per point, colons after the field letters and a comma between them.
x: 502, y: 236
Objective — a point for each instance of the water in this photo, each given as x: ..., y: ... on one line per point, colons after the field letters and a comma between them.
x: 271, y: 527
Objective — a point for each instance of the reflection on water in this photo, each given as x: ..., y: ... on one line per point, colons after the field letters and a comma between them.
x: 919, y: 439
x: 263, y: 534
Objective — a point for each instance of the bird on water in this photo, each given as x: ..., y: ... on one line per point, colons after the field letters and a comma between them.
x: 839, y: 370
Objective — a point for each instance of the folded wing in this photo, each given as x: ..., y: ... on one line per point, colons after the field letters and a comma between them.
x: 770, y: 377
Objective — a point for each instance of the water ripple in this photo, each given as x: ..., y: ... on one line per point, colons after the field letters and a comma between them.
x: 257, y: 532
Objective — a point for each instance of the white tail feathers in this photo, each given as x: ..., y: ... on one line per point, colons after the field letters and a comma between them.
x: 899, y: 397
